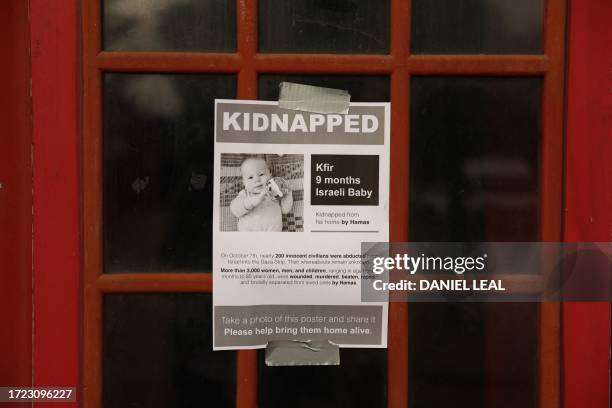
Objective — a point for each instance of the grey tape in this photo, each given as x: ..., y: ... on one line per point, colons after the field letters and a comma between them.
x: 300, y: 353
x: 313, y: 98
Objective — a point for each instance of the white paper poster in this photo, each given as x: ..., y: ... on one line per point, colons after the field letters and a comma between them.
x: 295, y: 195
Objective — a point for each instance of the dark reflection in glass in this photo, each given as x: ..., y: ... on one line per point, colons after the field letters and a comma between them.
x: 471, y: 355
x: 474, y: 158
x: 169, y: 25
x: 474, y: 177
x: 158, y: 170
x: 359, y: 381
x: 157, y: 353
x: 361, y: 88
x: 477, y: 26
x: 446, y: 365
x: 331, y: 26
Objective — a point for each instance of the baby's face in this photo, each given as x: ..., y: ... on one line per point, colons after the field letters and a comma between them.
x: 255, y: 175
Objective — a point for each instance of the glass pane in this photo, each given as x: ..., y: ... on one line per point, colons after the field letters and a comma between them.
x: 157, y: 352
x: 471, y: 355
x: 474, y: 158
x: 474, y: 177
x: 477, y: 26
x: 331, y: 26
x: 169, y: 25
x: 359, y: 381
x: 158, y: 170
x: 361, y: 88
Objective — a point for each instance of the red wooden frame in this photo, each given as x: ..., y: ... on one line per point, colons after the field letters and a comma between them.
x: 247, y: 63
x: 15, y: 198
x: 588, y: 196
x: 56, y: 155
x: 56, y: 135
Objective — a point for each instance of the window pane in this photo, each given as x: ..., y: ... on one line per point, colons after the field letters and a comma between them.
x: 474, y: 159
x: 332, y: 26
x: 474, y: 177
x: 359, y: 381
x: 157, y: 352
x: 477, y: 26
x: 473, y: 355
x: 361, y: 88
x: 158, y: 170
x: 169, y: 25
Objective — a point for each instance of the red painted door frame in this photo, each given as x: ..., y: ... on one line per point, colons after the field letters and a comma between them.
x: 56, y: 137
x: 15, y: 197
x: 56, y: 155
x: 588, y: 195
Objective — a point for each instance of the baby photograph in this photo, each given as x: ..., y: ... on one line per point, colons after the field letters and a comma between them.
x: 262, y: 192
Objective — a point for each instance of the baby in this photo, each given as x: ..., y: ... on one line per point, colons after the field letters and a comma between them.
x: 255, y: 207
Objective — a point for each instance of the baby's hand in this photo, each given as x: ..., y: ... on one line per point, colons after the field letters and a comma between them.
x: 254, y: 200
x: 284, y: 186
x: 286, y: 189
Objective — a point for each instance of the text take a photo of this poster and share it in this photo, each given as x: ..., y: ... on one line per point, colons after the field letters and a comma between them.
x: 296, y: 193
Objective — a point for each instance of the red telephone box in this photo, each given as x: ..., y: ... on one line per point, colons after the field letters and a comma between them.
x: 94, y: 292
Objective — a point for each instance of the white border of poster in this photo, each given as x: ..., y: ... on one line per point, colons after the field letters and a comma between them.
x: 295, y: 195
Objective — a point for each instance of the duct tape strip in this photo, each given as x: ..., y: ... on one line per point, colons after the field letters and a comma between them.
x: 313, y: 98
x: 302, y: 353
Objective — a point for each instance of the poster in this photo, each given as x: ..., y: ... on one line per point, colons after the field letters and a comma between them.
x: 295, y: 195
